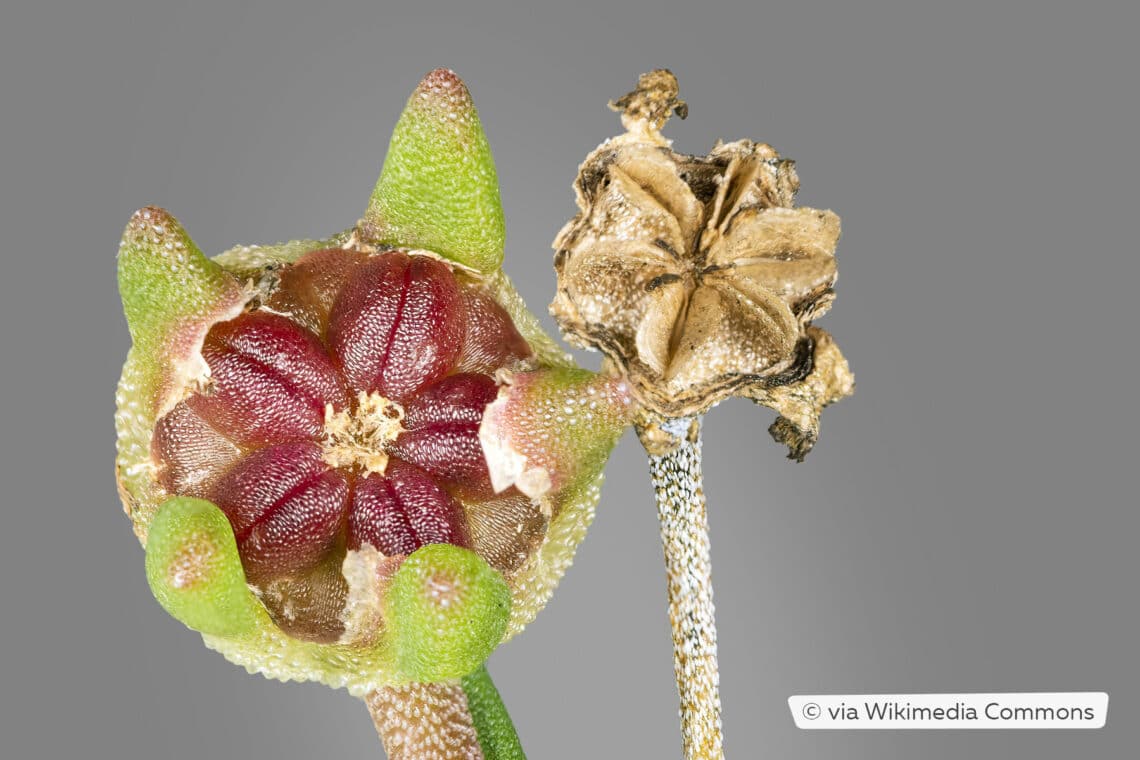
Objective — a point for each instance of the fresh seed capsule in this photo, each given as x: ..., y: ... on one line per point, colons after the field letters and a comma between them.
x: 344, y: 423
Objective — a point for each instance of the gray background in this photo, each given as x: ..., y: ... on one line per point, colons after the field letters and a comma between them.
x: 966, y: 524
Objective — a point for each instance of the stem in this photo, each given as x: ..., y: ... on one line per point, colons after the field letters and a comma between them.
x: 453, y: 720
x: 674, y: 447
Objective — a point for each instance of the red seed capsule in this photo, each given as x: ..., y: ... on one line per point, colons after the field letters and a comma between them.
x: 344, y: 412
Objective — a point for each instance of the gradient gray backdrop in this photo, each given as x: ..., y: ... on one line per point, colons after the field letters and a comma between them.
x: 968, y: 522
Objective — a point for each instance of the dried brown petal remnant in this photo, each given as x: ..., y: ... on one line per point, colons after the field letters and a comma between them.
x: 695, y: 275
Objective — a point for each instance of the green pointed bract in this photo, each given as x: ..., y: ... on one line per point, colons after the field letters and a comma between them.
x: 171, y: 294
x: 447, y: 610
x: 194, y: 570
x: 164, y: 279
x: 438, y: 189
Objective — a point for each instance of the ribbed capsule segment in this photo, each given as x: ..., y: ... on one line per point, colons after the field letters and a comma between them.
x: 490, y: 339
x: 402, y: 510
x: 270, y: 380
x: 286, y: 506
x: 397, y: 325
x: 441, y: 429
x: 306, y: 289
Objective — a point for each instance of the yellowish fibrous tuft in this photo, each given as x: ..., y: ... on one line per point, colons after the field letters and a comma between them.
x: 361, y: 436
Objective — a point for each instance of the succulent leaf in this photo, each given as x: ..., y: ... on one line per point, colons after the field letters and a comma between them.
x: 171, y: 295
x: 496, y: 733
x: 165, y: 279
x: 194, y: 571
x: 438, y: 189
x: 549, y: 433
x: 447, y: 610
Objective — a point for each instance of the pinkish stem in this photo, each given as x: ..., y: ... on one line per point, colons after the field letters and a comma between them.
x: 462, y: 719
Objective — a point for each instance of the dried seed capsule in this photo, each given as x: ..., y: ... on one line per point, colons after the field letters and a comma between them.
x: 696, y: 275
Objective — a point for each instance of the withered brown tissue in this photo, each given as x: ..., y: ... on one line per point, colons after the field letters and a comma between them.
x: 697, y: 276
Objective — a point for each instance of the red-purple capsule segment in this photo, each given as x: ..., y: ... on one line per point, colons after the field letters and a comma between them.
x: 306, y: 289
x: 191, y: 453
x: 286, y: 507
x: 397, y: 325
x: 269, y: 380
x: 490, y: 339
x: 442, y: 429
x: 402, y: 510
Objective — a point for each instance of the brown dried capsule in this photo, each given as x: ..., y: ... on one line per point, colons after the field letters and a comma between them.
x: 695, y: 275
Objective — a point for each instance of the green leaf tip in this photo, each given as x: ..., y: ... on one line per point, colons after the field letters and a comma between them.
x: 438, y: 189
x: 194, y: 571
x: 447, y: 609
x: 164, y: 279
x: 171, y: 294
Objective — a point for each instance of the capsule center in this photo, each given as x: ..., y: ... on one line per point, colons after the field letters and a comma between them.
x: 360, y: 437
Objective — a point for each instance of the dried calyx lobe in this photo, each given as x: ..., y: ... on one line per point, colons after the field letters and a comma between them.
x: 342, y: 412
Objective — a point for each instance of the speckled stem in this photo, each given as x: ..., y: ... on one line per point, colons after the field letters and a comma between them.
x: 453, y: 720
x: 675, y: 467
